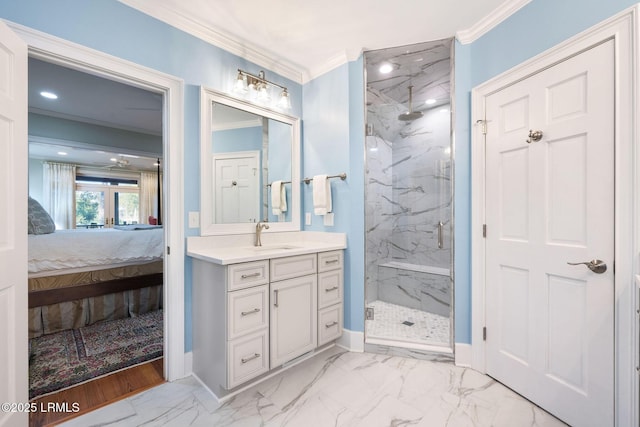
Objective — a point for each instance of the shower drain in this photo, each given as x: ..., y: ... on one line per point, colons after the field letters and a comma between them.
x: 406, y: 322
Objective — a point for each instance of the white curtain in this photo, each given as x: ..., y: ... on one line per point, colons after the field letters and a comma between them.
x: 58, y: 195
x: 148, y: 195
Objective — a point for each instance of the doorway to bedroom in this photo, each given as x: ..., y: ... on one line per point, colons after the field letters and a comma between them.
x: 96, y: 276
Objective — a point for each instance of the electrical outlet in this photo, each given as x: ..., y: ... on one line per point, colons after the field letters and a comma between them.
x: 194, y: 219
x: 328, y: 219
x: 307, y: 218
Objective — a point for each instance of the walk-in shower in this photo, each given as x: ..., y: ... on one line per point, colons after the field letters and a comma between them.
x: 408, y: 194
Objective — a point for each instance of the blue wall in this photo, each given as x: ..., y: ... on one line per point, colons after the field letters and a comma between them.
x: 333, y: 143
x: 114, y: 28
x: 538, y: 26
x: 333, y: 105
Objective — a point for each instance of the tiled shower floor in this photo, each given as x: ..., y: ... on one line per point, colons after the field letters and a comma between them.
x: 427, y: 328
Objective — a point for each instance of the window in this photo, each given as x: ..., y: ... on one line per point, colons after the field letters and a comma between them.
x: 105, y: 202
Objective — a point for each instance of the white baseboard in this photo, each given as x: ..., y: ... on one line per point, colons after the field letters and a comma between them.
x: 351, y: 340
x: 463, y: 354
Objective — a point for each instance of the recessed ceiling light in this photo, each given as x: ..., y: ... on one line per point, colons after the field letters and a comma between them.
x: 113, y: 159
x: 430, y: 101
x: 444, y: 110
x: 48, y: 95
x: 386, y: 68
x: 62, y: 153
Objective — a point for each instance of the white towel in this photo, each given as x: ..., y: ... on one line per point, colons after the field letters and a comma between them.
x: 278, y: 198
x: 321, y: 195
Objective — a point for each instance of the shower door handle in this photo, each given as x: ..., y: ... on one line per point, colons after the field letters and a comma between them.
x: 440, y: 241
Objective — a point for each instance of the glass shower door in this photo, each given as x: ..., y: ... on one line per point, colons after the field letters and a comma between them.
x: 408, y: 196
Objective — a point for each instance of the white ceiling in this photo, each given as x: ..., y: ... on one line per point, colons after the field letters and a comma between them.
x: 303, y: 39
x: 299, y: 40
x: 91, y: 99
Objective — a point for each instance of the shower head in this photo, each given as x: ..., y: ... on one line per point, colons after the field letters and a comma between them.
x: 410, y: 115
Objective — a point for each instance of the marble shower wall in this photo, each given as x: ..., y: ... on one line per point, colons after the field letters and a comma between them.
x: 408, y: 184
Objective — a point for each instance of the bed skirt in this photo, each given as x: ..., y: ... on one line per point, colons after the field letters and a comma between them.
x: 77, y: 313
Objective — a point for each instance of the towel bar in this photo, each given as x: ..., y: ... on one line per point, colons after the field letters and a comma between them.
x: 342, y: 176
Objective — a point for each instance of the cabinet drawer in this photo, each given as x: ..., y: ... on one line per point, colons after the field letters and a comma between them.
x: 330, y: 285
x: 248, y: 358
x: 294, y: 266
x: 248, y: 274
x: 248, y: 311
x: 331, y: 260
x: 329, y: 323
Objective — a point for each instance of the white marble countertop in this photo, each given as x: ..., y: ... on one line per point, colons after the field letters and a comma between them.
x: 233, y: 249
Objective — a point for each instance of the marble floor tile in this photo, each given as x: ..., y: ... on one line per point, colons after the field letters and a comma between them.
x: 335, y: 388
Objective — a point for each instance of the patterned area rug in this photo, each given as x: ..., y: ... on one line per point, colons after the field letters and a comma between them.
x: 67, y: 358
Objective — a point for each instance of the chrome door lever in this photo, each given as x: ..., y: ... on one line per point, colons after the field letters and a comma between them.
x: 596, y: 265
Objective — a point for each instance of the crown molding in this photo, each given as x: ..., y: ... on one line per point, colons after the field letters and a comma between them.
x: 218, y: 38
x: 486, y: 24
x: 330, y: 64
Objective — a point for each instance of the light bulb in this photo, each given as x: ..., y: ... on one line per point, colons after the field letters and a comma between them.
x: 263, y: 94
x: 241, y: 83
x: 284, y: 101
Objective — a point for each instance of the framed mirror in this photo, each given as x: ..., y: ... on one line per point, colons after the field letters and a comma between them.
x: 249, y: 166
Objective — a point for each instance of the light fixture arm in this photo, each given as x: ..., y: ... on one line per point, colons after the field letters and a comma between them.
x: 259, y: 78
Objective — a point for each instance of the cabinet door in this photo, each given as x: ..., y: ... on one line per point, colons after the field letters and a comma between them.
x: 294, y: 305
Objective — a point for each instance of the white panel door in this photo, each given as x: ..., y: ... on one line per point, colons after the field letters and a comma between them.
x: 14, y: 358
x: 236, y: 187
x: 550, y: 325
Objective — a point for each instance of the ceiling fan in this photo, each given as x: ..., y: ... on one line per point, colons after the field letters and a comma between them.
x: 120, y: 163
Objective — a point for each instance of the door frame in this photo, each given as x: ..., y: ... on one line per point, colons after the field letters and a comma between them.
x: 62, y: 52
x: 622, y: 28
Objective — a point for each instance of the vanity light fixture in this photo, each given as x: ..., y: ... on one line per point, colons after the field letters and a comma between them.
x: 258, y: 88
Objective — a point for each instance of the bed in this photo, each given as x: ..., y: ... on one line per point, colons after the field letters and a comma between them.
x: 83, y: 276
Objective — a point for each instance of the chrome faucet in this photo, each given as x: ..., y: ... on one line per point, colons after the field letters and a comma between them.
x: 259, y: 227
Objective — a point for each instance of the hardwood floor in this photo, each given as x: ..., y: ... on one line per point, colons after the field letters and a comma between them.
x: 83, y: 398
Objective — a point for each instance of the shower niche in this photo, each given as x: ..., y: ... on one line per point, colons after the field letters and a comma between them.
x: 408, y: 196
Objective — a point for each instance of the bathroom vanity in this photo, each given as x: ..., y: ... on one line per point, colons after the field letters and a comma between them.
x: 258, y: 308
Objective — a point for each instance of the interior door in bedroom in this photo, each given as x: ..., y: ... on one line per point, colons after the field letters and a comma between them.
x: 549, y: 203
x: 13, y: 214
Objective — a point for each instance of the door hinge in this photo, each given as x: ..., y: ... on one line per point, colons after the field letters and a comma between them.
x: 484, y: 230
x: 484, y: 333
x: 483, y: 123
x: 168, y: 250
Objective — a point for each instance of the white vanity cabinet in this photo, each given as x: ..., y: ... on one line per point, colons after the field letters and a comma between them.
x: 252, y: 317
x: 230, y: 322
x: 330, y: 291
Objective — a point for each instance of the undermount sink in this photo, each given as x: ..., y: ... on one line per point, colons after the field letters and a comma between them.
x: 265, y: 248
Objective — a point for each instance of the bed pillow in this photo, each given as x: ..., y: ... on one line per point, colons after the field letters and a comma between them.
x: 39, y: 221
